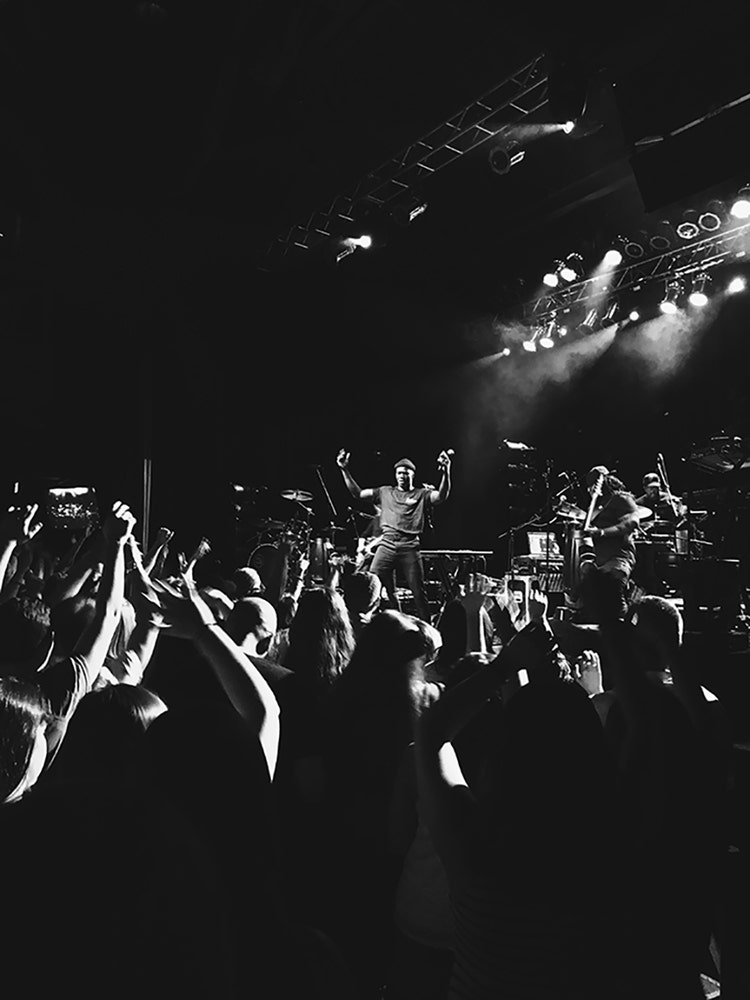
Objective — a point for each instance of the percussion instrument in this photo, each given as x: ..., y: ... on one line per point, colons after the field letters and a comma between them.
x: 570, y: 511
x: 299, y: 496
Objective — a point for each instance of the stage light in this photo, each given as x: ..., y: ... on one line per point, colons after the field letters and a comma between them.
x: 634, y: 316
x: 590, y: 319
x: 546, y: 342
x: 501, y: 158
x: 698, y: 295
x: 551, y: 280
x: 736, y: 285
x: 687, y: 230
x: 562, y: 331
x: 363, y: 241
x: 568, y: 127
x: 529, y: 345
x: 709, y: 222
x: 610, y: 313
x: 633, y: 249
x: 505, y: 353
x: 668, y: 304
x: 408, y: 211
x: 741, y: 208
x: 612, y: 258
x: 569, y: 271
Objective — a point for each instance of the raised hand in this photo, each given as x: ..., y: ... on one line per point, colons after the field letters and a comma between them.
x: 342, y: 459
x: 119, y: 524
x: 587, y: 670
x: 444, y: 459
x: 184, y: 614
x: 17, y: 524
x: 538, y: 605
x: 475, y: 591
x: 163, y: 536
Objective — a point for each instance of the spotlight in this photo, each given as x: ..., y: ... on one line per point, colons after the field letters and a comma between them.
x: 590, y: 319
x: 568, y: 127
x: 363, y: 241
x: 741, y: 208
x: 668, y: 304
x: 633, y: 249
x: 736, y: 285
x: 551, y: 280
x: 634, y: 316
x: 569, y: 270
x: 610, y: 312
x: 505, y: 353
x: 698, y: 295
x: 562, y: 331
x: 529, y: 345
x: 501, y: 159
x: 709, y: 222
x: 687, y: 230
x: 407, y: 212
x: 612, y: 258
x: 547, y: 340
x: 661, y: 238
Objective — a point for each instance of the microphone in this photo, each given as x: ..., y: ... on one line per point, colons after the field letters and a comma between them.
x: 450, y: 452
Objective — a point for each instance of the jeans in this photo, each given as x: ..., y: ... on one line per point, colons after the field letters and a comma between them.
x: 384, y: 565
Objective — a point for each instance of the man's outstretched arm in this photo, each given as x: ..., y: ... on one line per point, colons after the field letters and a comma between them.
x: 342, y: 460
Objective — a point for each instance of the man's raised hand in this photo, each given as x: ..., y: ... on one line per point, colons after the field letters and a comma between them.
x: 119, y: 523
x: 342, y: 459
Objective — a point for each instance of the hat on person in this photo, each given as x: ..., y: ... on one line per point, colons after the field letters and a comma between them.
x: 405, y: 463
x: 593, y: 474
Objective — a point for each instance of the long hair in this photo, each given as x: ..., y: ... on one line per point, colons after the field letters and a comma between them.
x: 22, y: 712
x: 321, y: 640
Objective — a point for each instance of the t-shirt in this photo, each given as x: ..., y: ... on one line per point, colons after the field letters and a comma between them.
x: 402, y: 514
x: 63, y: 685
x: 616, y: 546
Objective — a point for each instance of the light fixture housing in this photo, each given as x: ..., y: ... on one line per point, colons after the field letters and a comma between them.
x: 612, y: 258
x: 737, y: 284
x: 668, y: 304
x: 698, y: 295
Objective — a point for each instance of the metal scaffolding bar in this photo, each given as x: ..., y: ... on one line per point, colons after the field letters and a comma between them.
x: 522, y: 93
x: 674, y: 263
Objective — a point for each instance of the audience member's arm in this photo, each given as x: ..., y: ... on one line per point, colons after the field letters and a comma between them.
x: 61, y: 588
x: 247, y: 690
x: 153, y: 556
x: 16, y: 529
x: 97, y: 637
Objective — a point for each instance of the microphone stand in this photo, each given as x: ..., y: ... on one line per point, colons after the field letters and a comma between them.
x: 326, y: 493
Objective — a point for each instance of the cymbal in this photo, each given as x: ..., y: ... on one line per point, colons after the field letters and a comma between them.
x: 266, y: 523
x: 642, y: 513
x: 298, y: 495
x: 570, y: 511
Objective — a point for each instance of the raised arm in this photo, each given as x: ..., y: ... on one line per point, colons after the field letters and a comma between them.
x: 187, y: 615
x: 444, y: 487
x: 97, y: 637
x: 16, y: 528
x: 342, y: 460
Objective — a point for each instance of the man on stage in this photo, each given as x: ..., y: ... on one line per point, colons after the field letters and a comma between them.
x: 612, y: 525
x: 402, y: 517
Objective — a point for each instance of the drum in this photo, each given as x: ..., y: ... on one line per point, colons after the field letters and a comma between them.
x: 320, y: 550
x: 263, y: 559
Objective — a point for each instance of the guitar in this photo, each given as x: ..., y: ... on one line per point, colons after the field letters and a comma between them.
x: 365, y: 549
x: 595, y: 494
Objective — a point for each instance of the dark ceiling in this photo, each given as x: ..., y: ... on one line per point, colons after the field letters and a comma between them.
x: 150, y: 154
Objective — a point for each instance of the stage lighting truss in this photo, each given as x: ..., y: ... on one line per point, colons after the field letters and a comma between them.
x: 490, y: 117
x: 681, y: 262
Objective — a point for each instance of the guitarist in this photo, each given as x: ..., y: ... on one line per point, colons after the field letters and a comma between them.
x: 403, y: 508
x: 611, y: 524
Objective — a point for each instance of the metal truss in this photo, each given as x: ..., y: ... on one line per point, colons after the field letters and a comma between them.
x: 519, y: 95
x: 670, y: 265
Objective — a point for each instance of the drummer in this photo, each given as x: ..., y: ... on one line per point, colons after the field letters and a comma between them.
x: 664, y: 505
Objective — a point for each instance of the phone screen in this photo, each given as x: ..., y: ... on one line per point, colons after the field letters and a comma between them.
x: 71, y: 507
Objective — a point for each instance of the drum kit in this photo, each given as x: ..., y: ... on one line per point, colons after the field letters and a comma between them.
x: 267, y: 535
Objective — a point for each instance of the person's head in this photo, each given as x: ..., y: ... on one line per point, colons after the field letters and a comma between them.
x: 247, y: 582
x: 251, y: 619
x: 105, y: 732
x: 659, y: 627
x: 651, y: 484
x: 609, y: 483
x: 24, y: 627
x: 321, y: 640
x: 404, y: 471
x: 23, y: 748
x: 362, y: 594
x: 286, y: 610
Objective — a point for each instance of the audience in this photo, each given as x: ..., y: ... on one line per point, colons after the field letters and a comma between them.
x: 264, y: 790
